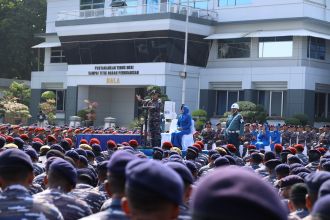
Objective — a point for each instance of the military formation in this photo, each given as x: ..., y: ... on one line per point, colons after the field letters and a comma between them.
x: 45, y: 174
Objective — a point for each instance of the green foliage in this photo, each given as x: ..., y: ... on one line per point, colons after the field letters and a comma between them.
x: 13, y: 109
x: 49, y: 108
x: 48, y: 95
x: 20, y: 20
x: 200, y: 117
x: 292, y: 121
x: 20, y: 91
x: 82, y: 114
x: 302, y: 118
x: 199, y: 113
x: 250, y: 112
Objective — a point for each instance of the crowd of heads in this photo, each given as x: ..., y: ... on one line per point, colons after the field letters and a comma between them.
x: 123, y: 181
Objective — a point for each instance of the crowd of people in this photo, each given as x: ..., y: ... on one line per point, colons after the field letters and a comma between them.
x: 45, y: 174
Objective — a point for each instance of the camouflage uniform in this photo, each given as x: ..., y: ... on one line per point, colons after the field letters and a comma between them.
x: 40, y: 180
x: 35, y: 188
x: 302, y: 136
x: 293, y: 138
x: 69, y: 206
x: 154, y: 120
x: 208, y: 136
x: 286, y: 136
x: 313, y: 166
x: 92, y: 197
x: 17, y: 203
x: 303, y: 158
x: 114, y: 211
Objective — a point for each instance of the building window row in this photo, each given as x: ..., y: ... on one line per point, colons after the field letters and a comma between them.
x: 59, y: 99
x: 233, y: 2
x: 322, y: 105
x: 57, y: 55
x: 91, y: 4
x: 269, y: 47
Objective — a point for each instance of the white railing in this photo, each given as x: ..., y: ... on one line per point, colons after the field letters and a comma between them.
x: 137, y: 10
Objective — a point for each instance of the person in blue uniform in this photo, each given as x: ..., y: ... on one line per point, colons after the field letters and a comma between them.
x: 183, y: 127
x: 275, y: 136
x: 263, y: 137
x: 16, y: 175
x: 234, y: 126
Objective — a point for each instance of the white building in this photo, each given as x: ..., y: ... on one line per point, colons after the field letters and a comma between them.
x: 275, y: 53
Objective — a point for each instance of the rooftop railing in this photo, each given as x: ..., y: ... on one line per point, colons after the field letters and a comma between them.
x: 138, y: 10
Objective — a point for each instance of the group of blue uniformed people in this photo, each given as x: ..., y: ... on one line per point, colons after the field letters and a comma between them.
x: 48, y: 176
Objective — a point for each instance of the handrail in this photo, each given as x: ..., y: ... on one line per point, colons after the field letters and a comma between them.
x: 137, y: 10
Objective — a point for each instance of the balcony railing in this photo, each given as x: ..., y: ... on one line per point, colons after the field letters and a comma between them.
x: 138, y: 10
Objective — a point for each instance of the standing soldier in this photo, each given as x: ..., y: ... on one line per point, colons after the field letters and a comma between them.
x: 220, y: 133
x: 154, y: 106
x: 301, y: 135
x: 234, y: 126
x: 286, y: 135
x: 294, y: 135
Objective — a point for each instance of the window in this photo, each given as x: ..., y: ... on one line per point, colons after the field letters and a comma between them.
x: 226, y: 98
x: 233, y: 2
x: 234, y: 48
x: 60, y: 99
x: 91, y: 4
x: 273, y: 102
x: 275, y: 46
x: 57, y: 55
x: 320, y: 105
x: 316, y: 48
x: 201, y: 4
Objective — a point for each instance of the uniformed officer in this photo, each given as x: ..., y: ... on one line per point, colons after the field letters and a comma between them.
x: 61, y: 179
x: 208, y: 134
x: 16, y: 174
x: 234, y: 126
x: 153, y: 191
x: 154, y: 106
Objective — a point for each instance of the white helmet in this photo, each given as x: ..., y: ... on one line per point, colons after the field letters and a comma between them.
x: 235, y: 105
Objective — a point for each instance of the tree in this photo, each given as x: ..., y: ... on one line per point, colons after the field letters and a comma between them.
x: 48, y: 105
x: 20, y: 20
x: 20, y: 91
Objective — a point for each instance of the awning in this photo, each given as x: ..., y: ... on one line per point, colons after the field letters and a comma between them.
x: 47, y: 45
x: 261, y: 33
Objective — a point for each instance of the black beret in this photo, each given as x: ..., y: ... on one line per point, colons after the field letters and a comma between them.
x: 90, y: 153
x: 215, y: 156
x: 102, y: 166
x: 175, y: 158
x: 118, y: 162
x: 256, y: 156
x: 193, y: 149
x: 221, y: 161
x: 231, y: 159
x: 158, y: 149
x: 297, y: 170
x: 295, y: 165
x: 83, y: 160
x: 272, y: 163
x: 57, y: 147
x: 81, y: 152
x: 19, y: 142
x: 290, y: 180
x: 321, y: 208
x: 303, y: 175
x: 150, y: 176
x: 182, y: 170
x: 218, y: 192
x: 65, y: 169
x: 54, y: 153
x: 191, y: 166
x: 211, y: 152
x: 87, y: 173
x: 31, y: 152
x: 73, y: 154
x: 294, y: 159
x: 269, y: 155
x: 324, y: 189
x: 315, y: 180
x: 282, y: 168
x: 96, y: 148
x: 12, y: 158
x: 326, y: 166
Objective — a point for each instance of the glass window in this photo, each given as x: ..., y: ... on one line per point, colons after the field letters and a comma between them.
x: 319, y: 105
x: 59, y: 99
x: 234, y: 48
x: 57, y: 55
x: 221, y: 102
x: 316, y: 48
x: 276, y: 104
x: 162, y: 49
x: 225, y: 99
x: 91, y: 4
x: 275, y: 47
x: 233, y: 2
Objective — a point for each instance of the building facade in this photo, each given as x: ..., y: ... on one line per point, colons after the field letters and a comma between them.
x: 274, y: 53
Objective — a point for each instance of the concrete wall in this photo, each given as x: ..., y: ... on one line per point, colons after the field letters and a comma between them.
x: 34, y: 104
x: 115, y: 102
x: 71, y: 102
